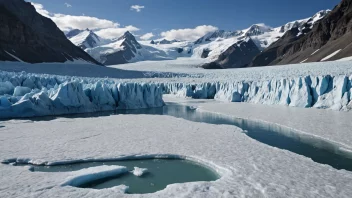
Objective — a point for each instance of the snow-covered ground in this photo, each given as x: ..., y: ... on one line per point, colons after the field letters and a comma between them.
x: 247, y: 168
x: 191, y: 66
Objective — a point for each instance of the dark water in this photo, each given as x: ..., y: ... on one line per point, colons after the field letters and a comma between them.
x: 161, y: 172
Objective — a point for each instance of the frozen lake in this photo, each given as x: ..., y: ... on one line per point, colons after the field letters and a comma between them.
x: 321, y: 152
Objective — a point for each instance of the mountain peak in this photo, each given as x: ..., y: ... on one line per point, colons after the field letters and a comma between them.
x: 85, y: 38
x: 128, y: 36
x: 128, y: 33
x: 257, y: 29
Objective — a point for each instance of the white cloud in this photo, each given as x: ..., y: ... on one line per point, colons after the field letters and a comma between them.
x: 40, y: 9
x: 68, y: 22
x: 105, y: 28
x: 147, y: 36
x: 68, y: 5
x: 188, y: 34
x: 137, y: 8
x: 110, y: 33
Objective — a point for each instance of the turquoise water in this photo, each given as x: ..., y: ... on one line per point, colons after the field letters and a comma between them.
x: 161, y: 172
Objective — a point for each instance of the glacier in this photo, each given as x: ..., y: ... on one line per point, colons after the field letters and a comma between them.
x: 323, y: 86
x: 326, y: 92
x: 27, y: 95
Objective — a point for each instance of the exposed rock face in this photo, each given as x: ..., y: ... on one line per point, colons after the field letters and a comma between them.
x: 238, y: 55
x: 270, y: 56
x: 205, y: 53
x: 163, y: 42
x: 327, y: 37
x: 31, y: 37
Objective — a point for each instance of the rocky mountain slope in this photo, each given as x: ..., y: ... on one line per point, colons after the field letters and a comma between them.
x: 238, y: 55
x: 28, y: 36
x: 329, y: 39
x: 232, y: 56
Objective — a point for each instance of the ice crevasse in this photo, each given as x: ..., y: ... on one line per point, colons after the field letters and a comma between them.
x: 327, y: 92
x: 28, y: 95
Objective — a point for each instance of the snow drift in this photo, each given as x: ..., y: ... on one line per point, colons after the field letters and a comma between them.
x: 28, y: 95
x: 327, y: 92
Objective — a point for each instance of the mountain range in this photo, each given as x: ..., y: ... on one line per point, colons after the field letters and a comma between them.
x: 264, y: 38
x: 329, y: 39
x: 222, y: 49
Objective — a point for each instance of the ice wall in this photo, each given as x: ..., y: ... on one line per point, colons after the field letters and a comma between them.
x: 27, y: 95
x: 328, y: 92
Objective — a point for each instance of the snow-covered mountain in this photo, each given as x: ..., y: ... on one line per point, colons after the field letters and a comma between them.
x: 212, y: 36
x: 262, y: 35
x: 211, y: 46
x: 85, y: 38
x: 238, y: 55
x: 329, y: 39
x: 127, y: 49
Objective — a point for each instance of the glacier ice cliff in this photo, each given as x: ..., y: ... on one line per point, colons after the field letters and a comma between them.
x: 28, y: 95
x: 327, y: 92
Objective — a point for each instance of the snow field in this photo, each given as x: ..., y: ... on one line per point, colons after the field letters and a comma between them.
x: 248, y: 168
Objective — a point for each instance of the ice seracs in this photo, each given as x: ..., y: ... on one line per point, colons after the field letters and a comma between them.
x: 27, y: 95
x: 328, y: 92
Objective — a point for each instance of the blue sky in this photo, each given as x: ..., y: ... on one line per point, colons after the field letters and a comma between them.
x: 163, y: 15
